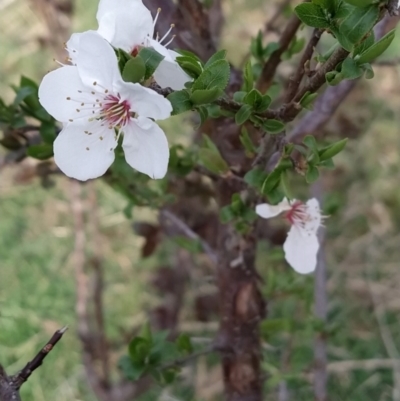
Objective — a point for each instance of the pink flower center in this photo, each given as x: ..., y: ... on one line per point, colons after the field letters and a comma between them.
x: 298, y: 214
x: 115, y: 111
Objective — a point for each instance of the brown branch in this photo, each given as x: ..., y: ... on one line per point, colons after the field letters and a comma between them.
x: 271, y: 65
x: 294, y: 82
x: 10, y: 385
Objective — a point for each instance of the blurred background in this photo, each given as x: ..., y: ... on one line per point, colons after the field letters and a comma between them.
x: 39, y: 249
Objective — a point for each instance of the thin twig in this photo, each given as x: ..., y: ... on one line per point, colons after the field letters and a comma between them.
x: 271, y: 65
x: 186, y: 230
x: 294, y: 82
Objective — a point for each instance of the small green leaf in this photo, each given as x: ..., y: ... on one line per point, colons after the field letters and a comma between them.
x: 359, y: 22
x: 261, y: 105
x: 190, y: 65
x: 139, y: 349
x: 255, y: 177
x: 350, y: 69
x: 220, y: 55
x: 359, y: 3
x: 270, y: 48
x: 48, y: 132
x: 184, y: 344
x: 253, y: 97
x: 311, y: 143
x: 247, y: 142
x: 226, y: 214
x: 312, y: 174
x: 368, y: 71
x: 41, y: 152
x: 248, y: 77
x: 376, y: 49
x: 364, y: 45
x: 333, y: 78
x: 134, y: 70
x: 205, y: 96
x: 213, y: 161
x: 203, y: 113
x: 312, y: 15
x: 243, y: 114
x: 180, y: 101
x: 191, y: 245
x: 239, y: 96
x: 215, y: 76
x: 307, y: 100
x: 272, y: 182
x: 152, y: 60
x: 273, y: 126
x: 332, y: 150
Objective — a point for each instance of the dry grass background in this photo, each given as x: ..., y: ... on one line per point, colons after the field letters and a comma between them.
x: 363, y: 245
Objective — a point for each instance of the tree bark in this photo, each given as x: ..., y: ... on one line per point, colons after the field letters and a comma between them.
x: 242, y: 308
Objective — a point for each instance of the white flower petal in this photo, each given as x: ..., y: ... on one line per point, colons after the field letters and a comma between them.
x: 301, y: 250
x: 144, y: 101
x: 268, y: 211
x: 125, y: 24
x: 314, y: 221
x: 55, y: 89
x: 73, y: 45
x: 82, y: 156
x: 97, y: 62
x: 146, y: 147
x: 169, y: 74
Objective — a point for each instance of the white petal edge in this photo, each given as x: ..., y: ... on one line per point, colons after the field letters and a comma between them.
x: 56, y: 87
x: 97, y: 62
x: 125, y: 24
x: 146, y: 148
x: 144, y: 101
x: 314, y: 213
x: 301, y: 250
x: 83, y: 156
x: 268, y: 211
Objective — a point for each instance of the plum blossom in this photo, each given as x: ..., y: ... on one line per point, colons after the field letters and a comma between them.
x: 301, y: 245
x: 128, y: 25
x: 96, y: 106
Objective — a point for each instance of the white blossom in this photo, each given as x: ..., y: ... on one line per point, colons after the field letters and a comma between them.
x: 95, y: 106
x: 301, y: 245
x: 128, y: 25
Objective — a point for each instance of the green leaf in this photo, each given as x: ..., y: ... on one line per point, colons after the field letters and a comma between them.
x: 152, y: 60
x: 134, y: 70
x: 243, y: 114
x: 272, y: 182
x: 364, y: 45
x: 333, y: 78
x: 255, y: 177
x: 48, y: 132
x: 307, y: 100
x: 359, y: 3
x: 311, y: 143
x: 191, y: 66
x: 191, y: 245
x: 368, y: 71
x: 239, y: 96
x: 253, y: 97
x: 213, y: 161
x: 203, y: 113
x: 359, y: 22
x: 180, y: 101
x: 139, y: 349
x: 350, y: 69
x: 261, y: 105
x: 312, y: 174
x: 184, y: 344
x: 205, y: 96
x: 376, y: 49
x: 312, y: 15
x: 226, y: 214
x: 145, y: 332
x: 332, y: 150
x: 247, y: 142
x: 273, y: 126
x: 215, y: 76
x: 220, y: 55
x: 270, y: 48
x: 248, y: 77
x: 41, y: 152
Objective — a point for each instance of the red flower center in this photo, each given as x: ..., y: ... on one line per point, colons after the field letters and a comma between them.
x: 115, y: 111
